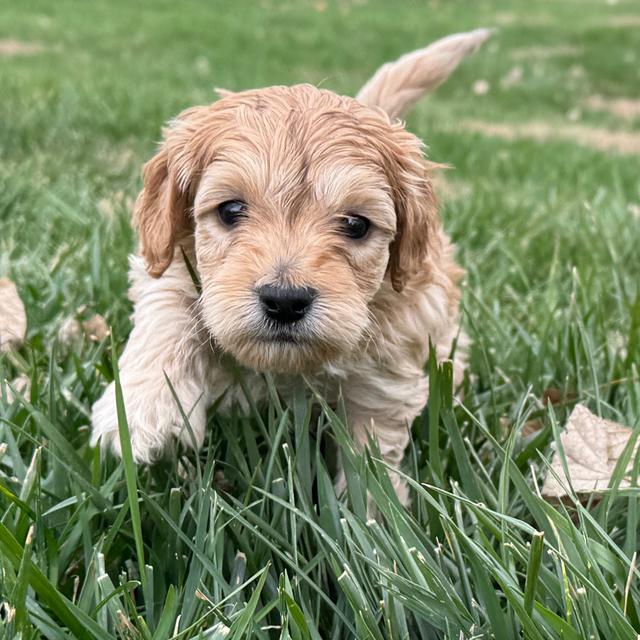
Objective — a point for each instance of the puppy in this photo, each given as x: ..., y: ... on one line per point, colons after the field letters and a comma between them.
x: 311, y: 221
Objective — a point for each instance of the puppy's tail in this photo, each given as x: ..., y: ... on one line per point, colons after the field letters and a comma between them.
x: 397, y: 86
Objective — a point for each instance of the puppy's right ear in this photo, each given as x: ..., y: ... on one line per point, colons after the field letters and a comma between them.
x: 163, y: 210
x: 162, y: 213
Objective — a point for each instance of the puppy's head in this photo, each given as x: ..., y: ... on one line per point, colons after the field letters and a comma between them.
x: 302, y: 204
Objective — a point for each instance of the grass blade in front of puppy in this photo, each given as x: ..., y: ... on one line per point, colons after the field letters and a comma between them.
x: 293, y: 612
x: 328, y: 506
x: 186, y: 424
x: 196, y: 569
x: 131, y: 474
x: 245, y: 620
x: 302, y: 406
x: 433, y: 411
x: 351, y: 460
x: 167, y: 617
x: 193, y: 274
x: 269, y: 538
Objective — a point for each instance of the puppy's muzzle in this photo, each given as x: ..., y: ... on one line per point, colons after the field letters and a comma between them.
x: 286, y: 305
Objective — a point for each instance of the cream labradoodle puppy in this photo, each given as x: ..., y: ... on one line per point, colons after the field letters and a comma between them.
x: 312, y: 223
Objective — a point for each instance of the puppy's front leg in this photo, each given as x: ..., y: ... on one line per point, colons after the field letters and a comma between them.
x: 164, y: 340
x: 382, y: 406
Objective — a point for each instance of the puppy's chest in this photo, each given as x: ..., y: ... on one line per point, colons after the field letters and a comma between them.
x: 234, y: 387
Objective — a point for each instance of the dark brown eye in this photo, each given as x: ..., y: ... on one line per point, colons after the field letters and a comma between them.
x: 355, y: 227
x: 231, y: 212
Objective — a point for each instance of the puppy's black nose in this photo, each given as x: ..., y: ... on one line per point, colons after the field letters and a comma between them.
x: 286, y: 304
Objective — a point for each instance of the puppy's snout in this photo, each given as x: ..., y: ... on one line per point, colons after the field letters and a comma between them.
x: 286, y: 304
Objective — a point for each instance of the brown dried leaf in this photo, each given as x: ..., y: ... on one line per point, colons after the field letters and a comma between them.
x: 13, y: 318
x: 531, y: 427
x: 592, y: 447
x: 96, y: 328
x: 72, y: 331
x: 555, y: 396
x: 551, y: 396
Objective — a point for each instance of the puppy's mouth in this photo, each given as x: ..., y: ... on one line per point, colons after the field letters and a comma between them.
x: 285, y: 349
x: 274, y: 334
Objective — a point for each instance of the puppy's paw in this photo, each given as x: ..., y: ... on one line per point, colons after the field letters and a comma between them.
x: 153, y: 417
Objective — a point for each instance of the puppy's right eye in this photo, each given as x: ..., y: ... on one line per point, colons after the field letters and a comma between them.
x: 231, y: 212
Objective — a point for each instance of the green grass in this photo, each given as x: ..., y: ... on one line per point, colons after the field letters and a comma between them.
x: 91, y: 547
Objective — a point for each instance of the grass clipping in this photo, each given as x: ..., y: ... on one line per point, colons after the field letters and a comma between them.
x: 593, y: 447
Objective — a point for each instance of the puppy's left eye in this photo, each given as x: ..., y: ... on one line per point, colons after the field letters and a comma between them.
x: 231, y: 212
x: 354, y: 227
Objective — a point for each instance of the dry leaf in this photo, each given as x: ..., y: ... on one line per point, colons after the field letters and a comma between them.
x: 96, y: 328
x: 592, y: 447
x: 531, y: 427
x: 555, y: 396
x: 13, y: 318
x: 71, y: 331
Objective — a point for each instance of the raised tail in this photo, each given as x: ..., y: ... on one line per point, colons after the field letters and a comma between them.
x: 397, y: 86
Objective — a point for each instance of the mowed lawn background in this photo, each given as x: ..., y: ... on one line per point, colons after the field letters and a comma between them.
x: 542, y: 131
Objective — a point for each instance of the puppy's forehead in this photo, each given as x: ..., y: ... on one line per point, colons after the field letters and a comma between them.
x: 286, y: 139
x: 337, y: 186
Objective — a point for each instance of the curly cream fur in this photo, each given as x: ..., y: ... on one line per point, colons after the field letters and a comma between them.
x: 300, y: 158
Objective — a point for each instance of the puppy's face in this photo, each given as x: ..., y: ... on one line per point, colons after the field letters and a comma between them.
x: 301, y: 204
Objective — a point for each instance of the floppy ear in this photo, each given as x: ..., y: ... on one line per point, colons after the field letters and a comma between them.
x: 161, y: 213
x: 417, y: 222
x: 163, y: 209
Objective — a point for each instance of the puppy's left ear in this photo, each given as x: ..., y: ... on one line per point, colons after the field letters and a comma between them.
x: 417, y: 222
